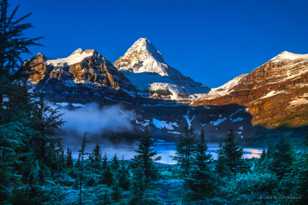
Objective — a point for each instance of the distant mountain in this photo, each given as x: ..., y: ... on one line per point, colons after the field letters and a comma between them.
x: 275, y: 94
x: 84, y: 74
x: 146, y: 68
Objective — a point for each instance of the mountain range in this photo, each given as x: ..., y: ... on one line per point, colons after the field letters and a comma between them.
x: 273, y: 95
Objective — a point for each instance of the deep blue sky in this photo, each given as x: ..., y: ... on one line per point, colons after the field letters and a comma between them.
x: 210, y: 41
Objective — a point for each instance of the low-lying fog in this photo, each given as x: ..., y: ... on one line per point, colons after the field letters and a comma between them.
x: 93, y: 121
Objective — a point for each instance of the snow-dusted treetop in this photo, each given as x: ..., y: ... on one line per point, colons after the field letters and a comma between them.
x: 288, y: 56
x: 76, y: 57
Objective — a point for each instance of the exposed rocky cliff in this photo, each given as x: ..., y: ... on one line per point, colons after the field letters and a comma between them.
x: 84, y: 72
x: 275, y: 94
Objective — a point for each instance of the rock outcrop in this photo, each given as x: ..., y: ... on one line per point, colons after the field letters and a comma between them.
x: 83, y: 69
x: 275, y: 94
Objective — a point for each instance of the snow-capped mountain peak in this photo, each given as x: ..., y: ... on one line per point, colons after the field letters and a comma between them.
x: 143, y: 57
x: 75, y: 57
x: 144, y: 45
x: 288, y: 56
x: 144, y: 66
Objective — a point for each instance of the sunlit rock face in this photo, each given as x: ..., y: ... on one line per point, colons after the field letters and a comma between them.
x: 275, y: 94
x: 145, y: 66
x: 38, y: 68
x: 82, y: 69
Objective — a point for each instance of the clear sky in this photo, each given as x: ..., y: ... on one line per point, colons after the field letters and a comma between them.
x: 210, y: 41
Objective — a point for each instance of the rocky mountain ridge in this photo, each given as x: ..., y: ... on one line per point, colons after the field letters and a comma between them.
x: 275, y: 93
x: 142, y: 62
x: 164, y: 98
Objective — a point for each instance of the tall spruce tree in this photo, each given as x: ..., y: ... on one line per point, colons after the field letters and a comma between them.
x: 123, y: 176
x: 143, y: 159
x: 69, y: 159
x: 184, y: 151
x: 221, y: 163
x: 138, y: 187
x: 230, y: 156
x: 306, y: 139
x: 115, y: 163
x: 14, y: 44
x: 116, y: 192
x: 96, y: 157
x: 282, y: 158
x: 201, y: 181
x: 81, y: 157
x: 107, y: 176
x: 47, y: 145
x: 105, y: 162
x: 303, y: 182
x: 19, y: 162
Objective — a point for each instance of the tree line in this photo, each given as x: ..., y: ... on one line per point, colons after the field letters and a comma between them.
x: 36, y: 169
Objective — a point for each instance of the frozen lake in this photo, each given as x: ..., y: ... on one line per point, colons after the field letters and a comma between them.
x: 165, y: 151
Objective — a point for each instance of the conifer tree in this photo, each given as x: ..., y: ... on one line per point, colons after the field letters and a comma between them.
x: 69, y: 159
x: 221, y: 163
x: 16, y: 107
x: 14, y: 44
x: 47, y: 146
x: 106, y: 199
x: 138, y: 188
x: 115, y: 163
x: 116, y: 192
x: 282, y: 158
x: 230, y: 156
x: 80, y: 166
x: 143, y: 159
x: 184, y: 151
x: 306, y: 140
x: 123, y: 175
x: 107, y: 176
x: 303, y: 182
x: 201, y: 180
x: 96, y: 157
x: 105, y: 162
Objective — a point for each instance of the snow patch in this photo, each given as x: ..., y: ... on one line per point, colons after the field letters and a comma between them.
x: 218, y: 121
x: 173, y: 89
x: 223, y: 90
x: 143, y: 123
x: 238, y: 119
x: 189, y: 120
x: 76, y: 57
x: 273, y: 93
x: 288, y: 56
x: 161, y: 124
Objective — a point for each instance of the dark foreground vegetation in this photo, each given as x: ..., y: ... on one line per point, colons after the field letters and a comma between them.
x: 35, y: 168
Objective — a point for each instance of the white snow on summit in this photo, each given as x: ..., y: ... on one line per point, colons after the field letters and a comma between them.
x: 146, y: 68
x: 142, y: 56
x: 76, y: 57
x: 289, y: 56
